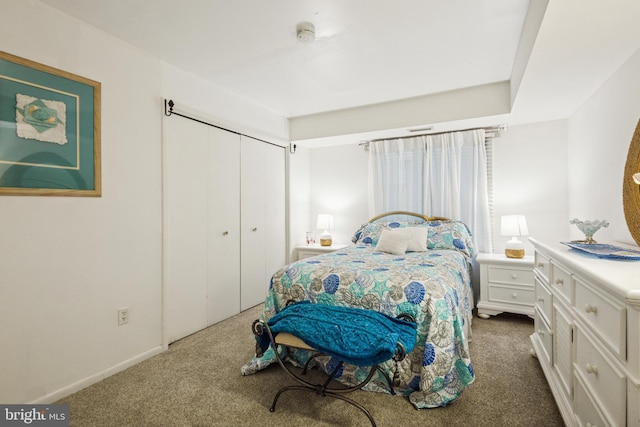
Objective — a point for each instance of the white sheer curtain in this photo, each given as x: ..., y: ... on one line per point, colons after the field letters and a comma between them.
x: 438, y: 175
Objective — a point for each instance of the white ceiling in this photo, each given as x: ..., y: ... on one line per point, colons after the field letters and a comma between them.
x: 371, y: 52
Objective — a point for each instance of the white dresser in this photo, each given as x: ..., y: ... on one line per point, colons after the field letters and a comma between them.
x: 587, y: 334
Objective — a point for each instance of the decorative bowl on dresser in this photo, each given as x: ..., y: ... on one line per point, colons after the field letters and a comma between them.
x: 506, y: 285
x: 587, y: 335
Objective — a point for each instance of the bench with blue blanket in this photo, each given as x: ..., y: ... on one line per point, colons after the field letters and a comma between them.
x: 355, y: 336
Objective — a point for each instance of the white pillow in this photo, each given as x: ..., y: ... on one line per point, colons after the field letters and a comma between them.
x: 418, y: 241
x: 393, y: 242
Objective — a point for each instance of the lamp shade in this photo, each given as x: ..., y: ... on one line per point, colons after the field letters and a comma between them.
x: 514, y: 225
x: 325, y: 222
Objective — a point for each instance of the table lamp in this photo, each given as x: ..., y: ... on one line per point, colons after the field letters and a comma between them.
x: 325, y: 222
x: 514, y: 226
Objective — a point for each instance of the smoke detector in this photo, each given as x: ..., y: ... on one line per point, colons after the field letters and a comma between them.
x: 306, y: 32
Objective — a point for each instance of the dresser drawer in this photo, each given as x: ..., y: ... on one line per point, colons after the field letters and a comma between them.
x: 563, y: 346
x: 560, y: 282
x: 604, y: 315
x: 543, y: 300
x: 601, y: 378
x: 585, y: 408
x: 541, y: 265
x: 543, y: 334
x: 510, y: 275
x: 511, y: 295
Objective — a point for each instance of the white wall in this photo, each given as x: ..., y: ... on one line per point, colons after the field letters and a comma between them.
x: 299, y: 198
x: 67, y: 263
x: 200, y: 98
x: 339, y: 187
x: 530, y: 178
x: 599, y: 136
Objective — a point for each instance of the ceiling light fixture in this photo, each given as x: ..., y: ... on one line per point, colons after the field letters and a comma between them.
x: 306, y: 32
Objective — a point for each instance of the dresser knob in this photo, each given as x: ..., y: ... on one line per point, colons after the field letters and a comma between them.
x: 541, y: 299
x: 559, y: 282
x: 226, y: 233
x: 591, y: 369
x: 254, y: 229
x: 514, y: 276
x: 514, y: 295
x: 591, y: 308
x: 540, y: 264
x: 540, y: 332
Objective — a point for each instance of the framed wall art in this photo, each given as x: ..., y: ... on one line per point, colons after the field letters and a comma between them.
x: 49, y: 131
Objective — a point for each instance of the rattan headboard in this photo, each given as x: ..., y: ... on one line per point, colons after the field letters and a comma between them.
x: 423, y: 217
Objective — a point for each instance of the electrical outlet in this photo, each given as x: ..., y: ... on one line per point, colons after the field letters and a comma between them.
x: 123, y: 316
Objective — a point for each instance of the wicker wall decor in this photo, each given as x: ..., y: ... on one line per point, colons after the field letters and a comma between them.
x: 631, y: 190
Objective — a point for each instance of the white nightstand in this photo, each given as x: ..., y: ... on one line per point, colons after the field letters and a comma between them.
x: 306, y: 251
x: 506, y: 285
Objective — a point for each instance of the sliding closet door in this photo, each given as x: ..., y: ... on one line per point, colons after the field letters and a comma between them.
x: 224, y: 226
x: 263, y: 218
x: 202, y: 226
x: 186, y: 169
x: 253, y: 243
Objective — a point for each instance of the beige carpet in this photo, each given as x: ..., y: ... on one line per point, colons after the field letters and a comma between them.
x: 197, y: 382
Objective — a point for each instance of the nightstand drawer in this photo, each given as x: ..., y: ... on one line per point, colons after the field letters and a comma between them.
x: 606, y: 317
x: 302, y: 254
x: 602, y: 379
x: 560, y: 282
x: 307, y: 251
x: 511, y: 295
x: 544, y: 300
x: 511, y: 275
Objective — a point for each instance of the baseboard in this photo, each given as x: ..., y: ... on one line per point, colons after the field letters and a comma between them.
x: 86, y: 382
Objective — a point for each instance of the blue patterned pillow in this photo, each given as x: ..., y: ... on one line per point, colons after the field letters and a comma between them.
x: 453, y: 235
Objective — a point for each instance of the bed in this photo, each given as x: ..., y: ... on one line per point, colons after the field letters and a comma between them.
x: 398, y: 263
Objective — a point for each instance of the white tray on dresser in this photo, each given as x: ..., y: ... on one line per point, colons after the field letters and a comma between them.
x: 587, y: 334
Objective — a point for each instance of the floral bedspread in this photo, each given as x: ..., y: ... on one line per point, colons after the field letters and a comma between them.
x: 434, y: 286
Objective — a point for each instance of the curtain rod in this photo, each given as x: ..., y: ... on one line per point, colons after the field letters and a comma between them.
x: 169, y: 112
x: 489, y: 129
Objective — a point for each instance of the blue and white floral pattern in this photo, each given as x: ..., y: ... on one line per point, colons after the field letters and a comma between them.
x: 453, y: 235
x: 433, y: 286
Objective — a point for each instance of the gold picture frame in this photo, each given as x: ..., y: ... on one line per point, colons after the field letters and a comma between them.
x: 631, y: 190
x: 49, y: 131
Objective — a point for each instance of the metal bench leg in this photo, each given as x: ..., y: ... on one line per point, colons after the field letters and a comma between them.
x: 323, y: 394
x: 320, y: 389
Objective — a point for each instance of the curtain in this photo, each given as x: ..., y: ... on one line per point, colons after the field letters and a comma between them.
x: 438, y: 175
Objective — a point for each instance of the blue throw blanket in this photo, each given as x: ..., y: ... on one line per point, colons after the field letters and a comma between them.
x: 356, y: 336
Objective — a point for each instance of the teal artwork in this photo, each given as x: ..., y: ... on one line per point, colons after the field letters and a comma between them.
x: 40, y: 119
x: 38, y: 115
x: 49, y: 130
